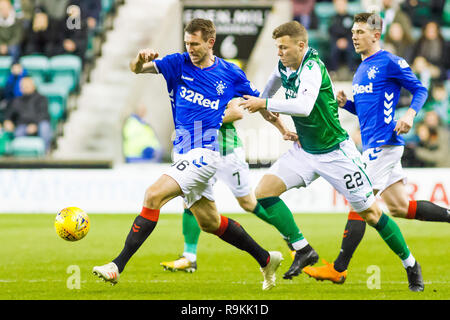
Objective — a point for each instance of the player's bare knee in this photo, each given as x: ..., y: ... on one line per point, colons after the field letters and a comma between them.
x: 263, y: 191
x: 247, y: 205
x: 371, y: 215
x: 209, y: 225
x: 152, y: 198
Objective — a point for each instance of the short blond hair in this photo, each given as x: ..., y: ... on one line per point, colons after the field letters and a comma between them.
x: 294, y: 29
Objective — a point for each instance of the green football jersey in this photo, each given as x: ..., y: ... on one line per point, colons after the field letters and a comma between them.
x: 321, y: 131
x: 228, y: 138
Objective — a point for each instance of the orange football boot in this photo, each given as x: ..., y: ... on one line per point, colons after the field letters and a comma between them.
x: 326, y: 272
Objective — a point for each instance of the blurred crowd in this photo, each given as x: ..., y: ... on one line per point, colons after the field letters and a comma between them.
x: 412, y: 29
x: 417, y: 30
x: 43, y: 28
x: 48, y: 27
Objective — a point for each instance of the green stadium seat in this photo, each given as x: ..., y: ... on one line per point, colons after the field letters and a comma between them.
x: 37, y: 66
x: 28, y: 147
x: 445, y: 33
x: 107, y: 5
x: 324, y: 10
x: 55, y: 92
x: 56, y: 111
x: 90, y: 51
x: 318, y: 39
x: 5, y: 143
x: 446, y: 14
x: 65, y: 80
x: 65, y: 66
x: 354, y: 7
x: 5, y: 66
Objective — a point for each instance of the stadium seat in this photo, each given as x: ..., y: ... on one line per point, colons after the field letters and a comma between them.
x: 55, y: 92
x: 354, y: 7
x: 56, y: 111
x: 445, y: 33
x: 5, y: 65
x: 28, y: 147
x: 37, y: 66
x: 319, y: 40
x: 324, y: 10
x: 5, y: 142
x: 65, y: 80
x: 65, y: 68
x: 446, y: 14
x: 107, y: 5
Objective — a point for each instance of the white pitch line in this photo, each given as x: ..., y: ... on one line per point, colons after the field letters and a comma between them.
x: 209, y: 281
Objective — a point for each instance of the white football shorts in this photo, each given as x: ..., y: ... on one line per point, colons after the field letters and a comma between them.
x: 235, y: 172
x: 342, y: 168
x: 384, y: 166
x: 194, y: 172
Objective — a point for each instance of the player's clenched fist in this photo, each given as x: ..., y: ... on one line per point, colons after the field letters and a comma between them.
x: 143, y: 63
x: 253, y: 104
x: 405, y: 123
x: 341, y: 98
x: 147, y: 55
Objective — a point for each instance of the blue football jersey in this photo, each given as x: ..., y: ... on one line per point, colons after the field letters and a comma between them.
x: 199, y: 98
x: 376, y: 91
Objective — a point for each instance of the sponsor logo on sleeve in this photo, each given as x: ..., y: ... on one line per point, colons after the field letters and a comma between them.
x: 403, y: 64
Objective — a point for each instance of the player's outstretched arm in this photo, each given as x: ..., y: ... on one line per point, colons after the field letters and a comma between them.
x: 274, y: 119
x: 143, y: 63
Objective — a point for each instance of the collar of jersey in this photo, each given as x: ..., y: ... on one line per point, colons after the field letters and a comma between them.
x: 376, y: 53
x: 216, y: 61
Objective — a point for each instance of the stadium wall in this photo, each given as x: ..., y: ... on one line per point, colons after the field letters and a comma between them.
x: 121, y: 190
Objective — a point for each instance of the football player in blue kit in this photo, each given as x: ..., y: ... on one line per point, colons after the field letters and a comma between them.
x: 376, y: 91
x: 200, y: 85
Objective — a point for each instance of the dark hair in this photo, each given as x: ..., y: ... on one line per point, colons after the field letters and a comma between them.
x: 206, y: 27
x: 374, y: 20
x: 293, y: 29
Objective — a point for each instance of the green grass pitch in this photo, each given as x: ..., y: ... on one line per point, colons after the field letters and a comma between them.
x: 36, y: 263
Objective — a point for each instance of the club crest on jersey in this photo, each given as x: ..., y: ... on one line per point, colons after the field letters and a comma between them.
x: 220, y: 87
x: 372, y: 72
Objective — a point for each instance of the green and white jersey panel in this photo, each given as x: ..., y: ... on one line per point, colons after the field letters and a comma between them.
x: 311, y: 102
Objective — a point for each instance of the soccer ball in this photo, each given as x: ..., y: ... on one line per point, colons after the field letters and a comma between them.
x: 72, y: 224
